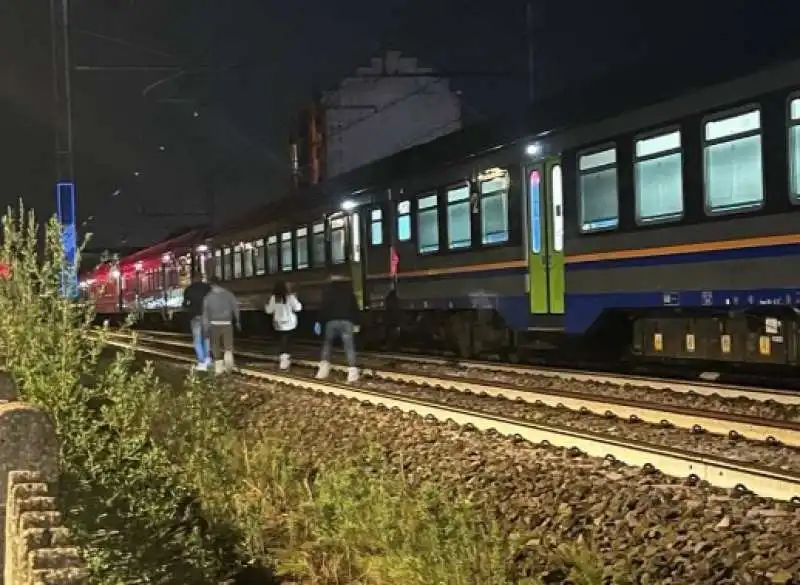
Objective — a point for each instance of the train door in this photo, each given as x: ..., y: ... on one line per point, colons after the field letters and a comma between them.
x: 356, y: 261
x: 546, y: 237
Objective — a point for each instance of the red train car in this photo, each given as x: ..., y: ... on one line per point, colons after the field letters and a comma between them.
x: 149, y: 282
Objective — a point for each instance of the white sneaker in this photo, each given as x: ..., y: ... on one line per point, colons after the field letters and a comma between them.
x: 201, y: 367
x: 285, y: 361
x: 219, y: 367
x: 208, y: 363
x: 324, y: 370
x: 352, y: 375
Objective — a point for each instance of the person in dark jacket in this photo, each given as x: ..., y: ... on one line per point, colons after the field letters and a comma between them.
x: 193, y: 297
x: 340, y: 315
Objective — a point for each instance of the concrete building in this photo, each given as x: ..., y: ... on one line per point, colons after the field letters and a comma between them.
x: 388, y: 106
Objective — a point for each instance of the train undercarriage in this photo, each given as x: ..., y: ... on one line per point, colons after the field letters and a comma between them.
x: 760, y: 336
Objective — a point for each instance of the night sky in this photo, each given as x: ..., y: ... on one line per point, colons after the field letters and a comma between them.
x: 142, y: 161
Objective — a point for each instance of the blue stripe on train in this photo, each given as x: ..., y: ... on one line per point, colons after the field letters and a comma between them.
x: 773, y: 251
x: 583, y: 310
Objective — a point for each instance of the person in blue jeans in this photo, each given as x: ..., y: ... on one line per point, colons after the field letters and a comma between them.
x: 193, y: 297
x: 341, y: 317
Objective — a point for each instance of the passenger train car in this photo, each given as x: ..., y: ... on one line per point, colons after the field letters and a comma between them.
x: 669, y: 229
x: 149, y: 282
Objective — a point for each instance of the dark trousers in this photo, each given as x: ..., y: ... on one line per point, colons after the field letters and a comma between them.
x: 285, y: 341
x: 221, y: 339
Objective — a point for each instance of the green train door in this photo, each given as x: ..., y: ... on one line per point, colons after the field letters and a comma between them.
x: 546, y: 237
x: 356, y: 259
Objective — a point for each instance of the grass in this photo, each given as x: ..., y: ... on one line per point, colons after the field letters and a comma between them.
x: 352, y: 522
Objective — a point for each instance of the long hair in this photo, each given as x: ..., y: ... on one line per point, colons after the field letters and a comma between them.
x: 280, y: 292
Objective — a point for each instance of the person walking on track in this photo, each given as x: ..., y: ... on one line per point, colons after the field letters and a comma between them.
x: 221, y: 312
x: 193, y: 297
x: 284, y: 306
x: 341, y: 317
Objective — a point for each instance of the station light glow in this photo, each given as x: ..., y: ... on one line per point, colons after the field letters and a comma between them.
x: 348, y: 205
x: 202, y: 248
x: 115, y: 273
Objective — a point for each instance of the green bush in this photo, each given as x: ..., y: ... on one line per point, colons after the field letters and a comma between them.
x: 122, y: 492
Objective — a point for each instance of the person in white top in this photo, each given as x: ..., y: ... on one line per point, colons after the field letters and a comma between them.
x: 284, y: 306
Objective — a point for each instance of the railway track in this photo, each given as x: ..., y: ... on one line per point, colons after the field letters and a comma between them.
x: 768, y: 481
x: 703, y: 387
x: 734, y: 425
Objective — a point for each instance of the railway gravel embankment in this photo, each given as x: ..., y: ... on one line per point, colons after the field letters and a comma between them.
x: 645, y: 526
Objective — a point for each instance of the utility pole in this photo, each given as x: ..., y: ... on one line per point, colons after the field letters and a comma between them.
x: 59, y: 34
x: 65, y: 171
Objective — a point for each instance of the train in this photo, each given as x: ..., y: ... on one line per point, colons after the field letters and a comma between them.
x: 660, y: 230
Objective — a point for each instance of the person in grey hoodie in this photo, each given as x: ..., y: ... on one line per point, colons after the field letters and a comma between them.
x: 220, y: 312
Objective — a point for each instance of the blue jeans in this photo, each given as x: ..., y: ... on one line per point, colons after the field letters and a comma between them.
x: 343, y: 329
x: 200, y: 340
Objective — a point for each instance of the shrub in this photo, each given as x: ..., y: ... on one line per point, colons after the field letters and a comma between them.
x: 123, y: 495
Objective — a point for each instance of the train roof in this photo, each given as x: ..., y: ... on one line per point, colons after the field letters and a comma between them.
x: 151, y: 254
x: 605, y: 97
x: 187, y: 238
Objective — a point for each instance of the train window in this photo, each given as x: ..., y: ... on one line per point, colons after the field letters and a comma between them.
x: 260, y: 258
x: 794, y: 150
x: 227, y: 263
x: 557, y: 188
x: 337, y: 241
x: 302, y: 247
x: 218, y: 264
x: 659, y: 178
x: 272, y: 254
x: 404, y: 221
x: 428, y: 224
x: 494, y: 209
x: 318, y: 244
x: 248, y: 259
x: 732, y: 163
x: 237, y: 261
x: 286, y: 251
x: 459, y: 228
x: 597, y: 173
x: 376, y: 227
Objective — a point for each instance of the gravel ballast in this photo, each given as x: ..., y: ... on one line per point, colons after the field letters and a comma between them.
x: 660, y: 529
